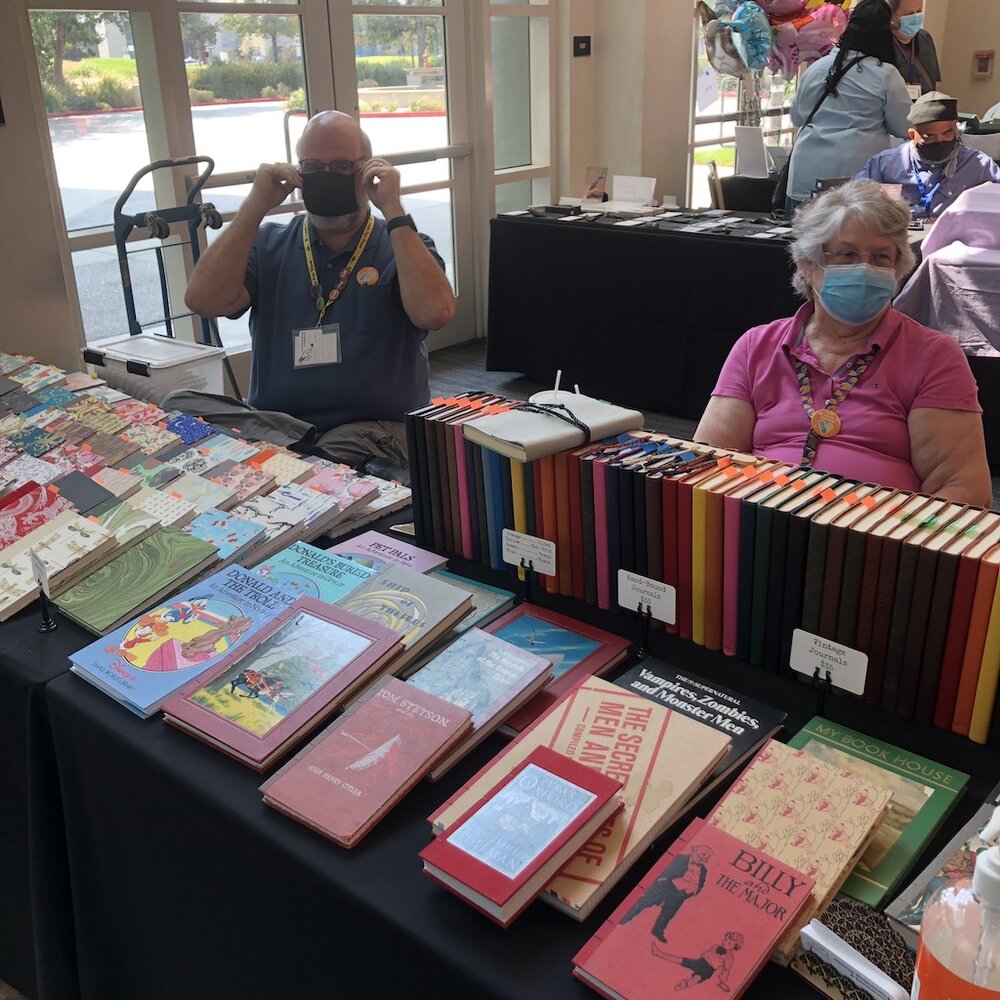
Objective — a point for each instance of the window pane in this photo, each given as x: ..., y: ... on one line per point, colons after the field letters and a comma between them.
x: 246, y: 84
x: 432, y: 212
x: 399, y: 3
x: 513, y: 197
x: 511, y: 91
x: 102, y: 299
x: 402, y: 85
x: 90, y: 83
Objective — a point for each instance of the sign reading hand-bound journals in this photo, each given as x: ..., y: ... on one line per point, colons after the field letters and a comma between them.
x: 538, y: 553
x: 637, y: 592
x: 847, y: 667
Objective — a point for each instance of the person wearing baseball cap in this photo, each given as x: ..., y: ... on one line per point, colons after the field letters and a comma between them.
x: 934, y: 168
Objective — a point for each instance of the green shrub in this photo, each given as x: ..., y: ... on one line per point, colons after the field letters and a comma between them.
x: 426, y: 104
x: 105, y: 90
x: 367, y: 106
x: 297, y: 100
x: 363, y: 84
x: 280, y: 91
x: 55, y: 98
x: 240, y: 79
x: 383, y: 71
x: 200, y: 96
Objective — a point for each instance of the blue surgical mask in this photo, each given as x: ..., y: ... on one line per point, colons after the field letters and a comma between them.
x: 910, y: 24
x: 856, y: 293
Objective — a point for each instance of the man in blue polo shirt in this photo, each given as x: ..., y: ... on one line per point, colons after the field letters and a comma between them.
x: 340, y: 303
x: 934, y: 168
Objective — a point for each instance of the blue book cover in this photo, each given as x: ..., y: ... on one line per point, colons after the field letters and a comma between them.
x: 145, y: 661
x: 310, y: 572
x: 230, y: 535
x: 488, y: 602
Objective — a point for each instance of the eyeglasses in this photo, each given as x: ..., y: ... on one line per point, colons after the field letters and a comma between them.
x: 877, y: 258
x: 345, y: 167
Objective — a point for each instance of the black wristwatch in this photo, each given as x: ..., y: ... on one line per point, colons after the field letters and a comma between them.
x: 401, y: 220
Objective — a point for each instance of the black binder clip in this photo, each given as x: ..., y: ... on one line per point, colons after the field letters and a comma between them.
x: 48, y: 623
x: 823, y: 686
x: 645, y: 617
x: 526, y: 588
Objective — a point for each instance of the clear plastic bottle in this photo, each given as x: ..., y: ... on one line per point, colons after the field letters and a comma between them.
x: 958, y: 957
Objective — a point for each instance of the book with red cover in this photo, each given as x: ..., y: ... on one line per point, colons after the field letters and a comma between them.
x: 711, y: 910
x: 256, y: 702
x: 361, y: 765
x: 500, y: 854
x: 550, y: 525
x: 27, y: 507
x: 574, y: 649
x: 564, y: 538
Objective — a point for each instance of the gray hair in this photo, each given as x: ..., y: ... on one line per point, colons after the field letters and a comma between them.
x: 819, y: 221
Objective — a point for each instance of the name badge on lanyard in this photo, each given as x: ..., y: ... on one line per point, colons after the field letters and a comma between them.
x: 914, y: 90
x: 316, y: 345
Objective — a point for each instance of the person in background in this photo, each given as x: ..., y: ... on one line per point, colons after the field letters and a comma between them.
x: 340, y: 304
x: 915, y: 55
x: 864, y: 102
x: 848, y: 385
x: 934, y: 168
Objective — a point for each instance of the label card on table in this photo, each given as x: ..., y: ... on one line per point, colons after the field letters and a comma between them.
x: 39, y: 571
x: 635, y: 590
x: 848, y: 667
x: 533, y: 550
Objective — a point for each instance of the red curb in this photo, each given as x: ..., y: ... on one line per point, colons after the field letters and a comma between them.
x: 243, y: 100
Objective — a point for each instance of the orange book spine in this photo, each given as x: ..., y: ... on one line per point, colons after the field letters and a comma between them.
x: 979, y: 621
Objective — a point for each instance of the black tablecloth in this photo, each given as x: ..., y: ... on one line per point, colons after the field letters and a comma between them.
x: 36, y: 927
x: 183, y: 884
x: 641, y: 316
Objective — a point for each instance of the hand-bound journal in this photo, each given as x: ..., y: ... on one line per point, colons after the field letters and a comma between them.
x: 267, y: 695
x: 923, y: 794
x: 360, y: 766
x: 499, y: 854
x: 711, y: 910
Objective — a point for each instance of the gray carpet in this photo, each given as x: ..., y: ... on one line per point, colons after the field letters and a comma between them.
x: 463, y: 367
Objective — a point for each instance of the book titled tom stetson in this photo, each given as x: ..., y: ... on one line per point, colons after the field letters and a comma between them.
x: 746, y: 721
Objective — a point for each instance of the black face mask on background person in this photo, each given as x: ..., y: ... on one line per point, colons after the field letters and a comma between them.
x: 936, y: 152
x: 328, y: 194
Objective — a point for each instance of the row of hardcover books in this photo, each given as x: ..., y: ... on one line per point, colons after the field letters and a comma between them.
x: 125, y: 502
x: 754, y: 549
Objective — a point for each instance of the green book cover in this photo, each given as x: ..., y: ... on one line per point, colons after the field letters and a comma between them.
x: 923, y: 794
x: 126, y: 585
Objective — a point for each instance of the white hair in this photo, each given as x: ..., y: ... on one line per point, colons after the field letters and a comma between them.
x: 818, y: 222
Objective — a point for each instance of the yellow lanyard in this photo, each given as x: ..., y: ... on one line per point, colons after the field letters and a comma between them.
x: 322, y: 304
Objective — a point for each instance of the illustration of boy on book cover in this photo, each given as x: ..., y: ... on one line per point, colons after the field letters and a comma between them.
x: 272, y: 679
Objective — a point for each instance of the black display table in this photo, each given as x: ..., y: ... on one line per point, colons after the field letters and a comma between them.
x: 642, y: 316
x: 182, y: 883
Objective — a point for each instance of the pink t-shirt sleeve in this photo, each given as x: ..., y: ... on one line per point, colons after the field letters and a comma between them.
x: 735, y: 378
x: 948, y: 382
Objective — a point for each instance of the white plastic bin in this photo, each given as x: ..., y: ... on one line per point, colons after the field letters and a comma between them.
x: 149, y: 367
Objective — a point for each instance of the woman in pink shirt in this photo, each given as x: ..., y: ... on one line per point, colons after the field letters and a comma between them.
x: 848, y: 385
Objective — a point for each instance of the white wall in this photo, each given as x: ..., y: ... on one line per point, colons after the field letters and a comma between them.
x: 39, y: 315
x: 970, y: 26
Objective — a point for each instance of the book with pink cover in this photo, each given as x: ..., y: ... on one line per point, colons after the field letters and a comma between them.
x: 266, y: 696
x: 378, y: 551
x: 710, y: 911
x: 360, y: 766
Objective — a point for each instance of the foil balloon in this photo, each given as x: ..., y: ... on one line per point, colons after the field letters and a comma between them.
x: 751, y: 34
x: 722, y: 54
x: 781, y: 9
x: 801, y: 40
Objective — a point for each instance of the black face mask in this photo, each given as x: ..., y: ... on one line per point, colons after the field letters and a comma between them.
x: 328, y: 194
x: 936, y: 152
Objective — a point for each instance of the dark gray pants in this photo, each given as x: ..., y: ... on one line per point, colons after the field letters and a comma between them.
x: 378, y: 445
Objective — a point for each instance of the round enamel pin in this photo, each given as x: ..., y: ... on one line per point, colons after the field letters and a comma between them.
x: 368, y: 276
